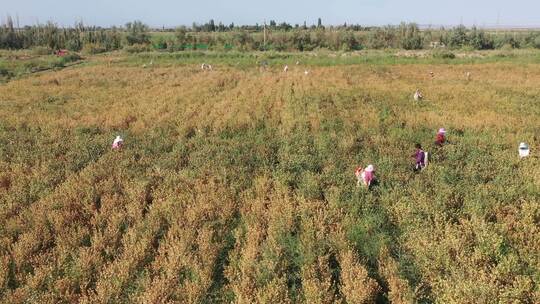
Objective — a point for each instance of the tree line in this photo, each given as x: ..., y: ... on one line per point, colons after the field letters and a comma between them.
x: 137, y: 36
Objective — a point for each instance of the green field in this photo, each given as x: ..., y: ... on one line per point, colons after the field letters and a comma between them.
x: 237, y: 184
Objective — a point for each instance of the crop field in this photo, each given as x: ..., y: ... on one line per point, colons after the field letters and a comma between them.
x: 237, y: 185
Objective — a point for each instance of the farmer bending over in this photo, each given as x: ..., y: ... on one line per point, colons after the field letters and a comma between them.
x: 117, y: 143
x: 441, y: 137
x: 420, y: 158
x: 365, y: 176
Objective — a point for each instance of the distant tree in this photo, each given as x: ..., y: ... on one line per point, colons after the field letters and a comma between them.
x: 479, y: 40
x: 241, y: 39
x: 137, y: 33
x: 220, y: 27
x: 458, y: 37
x: 343, y: 37
x: 210, y: 26
x: 509, y: 41
x: 302, y: 41
x: 8, y: 35
x: 410, y: 37
x: 348, y: 41
x: 284, y: 26
x: 382, y: 37
x: 113, y: 39
x: 51, y: 35
x: 181, y: 36
x: 320, y: 39
x: 536, y: 42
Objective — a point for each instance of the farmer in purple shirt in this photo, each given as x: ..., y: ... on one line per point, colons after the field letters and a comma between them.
x: 420, y: 158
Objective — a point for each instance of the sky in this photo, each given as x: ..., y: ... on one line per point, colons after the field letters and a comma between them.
x: 171, y: 13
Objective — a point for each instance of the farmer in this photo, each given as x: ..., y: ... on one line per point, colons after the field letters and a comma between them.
x: 418, y: 95
x: 117, y: 143
x: 523, y: 150
x: 420, y: 157
x: 365, y: 176
x: 441, y: 137
x: 206, y: 66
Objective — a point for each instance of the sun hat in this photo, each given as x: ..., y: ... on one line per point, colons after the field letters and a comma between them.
x: 442, y: 130
x: 370, y: 168
x: 523, y: 150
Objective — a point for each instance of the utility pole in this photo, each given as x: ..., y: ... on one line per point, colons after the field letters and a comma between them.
x: 264, y: 35
x: 18, y: 25
x: 498, y: 22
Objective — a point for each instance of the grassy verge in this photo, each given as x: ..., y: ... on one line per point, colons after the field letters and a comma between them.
x: 325, y: 58
x: 14, y: 67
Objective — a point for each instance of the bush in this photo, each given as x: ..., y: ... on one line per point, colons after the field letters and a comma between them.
x: 93, y: 48
x: 458, y: 37
x: 137, y: 48
x: 160, y: 44
x: 410, y: 36
x: 536, y: 42
x: 42, y: 50
x: 137, y: 33
x: 480, y: 41
x: 4, y: 72
x: 443, y: 54
x: 507, y: 42
x: 73, y: 45
x: 62, y: 61
x: 507, y: 47
x: 70, y: 58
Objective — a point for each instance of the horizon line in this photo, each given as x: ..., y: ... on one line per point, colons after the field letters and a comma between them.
x: 484, y: 25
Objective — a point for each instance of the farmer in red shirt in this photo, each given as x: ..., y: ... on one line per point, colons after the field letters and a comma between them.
x: 441, y: 137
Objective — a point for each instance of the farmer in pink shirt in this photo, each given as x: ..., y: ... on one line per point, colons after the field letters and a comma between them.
x: 117, y: 143
x: 365, y: 176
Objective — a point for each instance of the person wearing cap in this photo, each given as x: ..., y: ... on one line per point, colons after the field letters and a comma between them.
x: 420, y: 158
x: 118, y: 142
x: 441, y: 137
x: 365, y: 176
x: 523, y: 150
